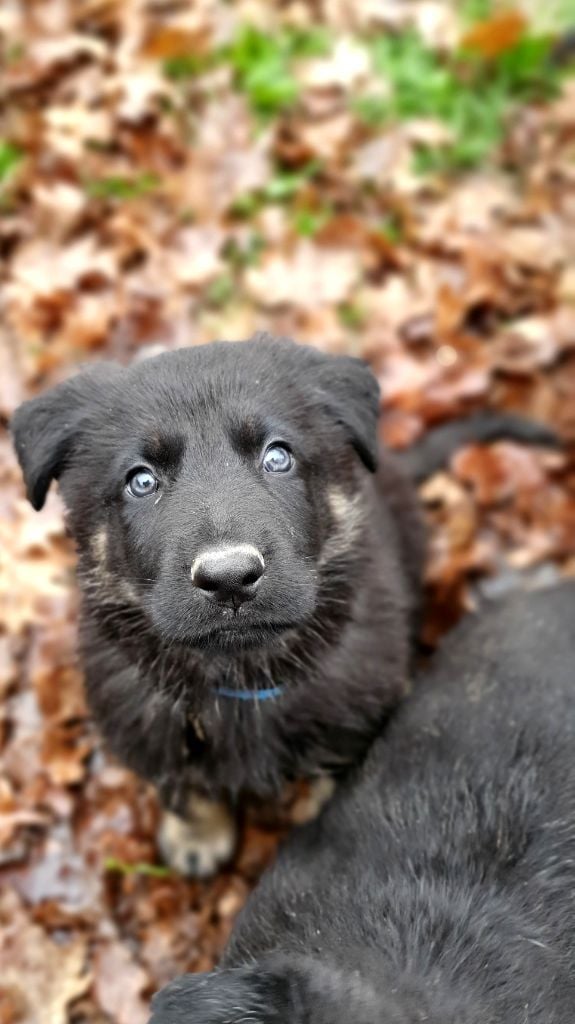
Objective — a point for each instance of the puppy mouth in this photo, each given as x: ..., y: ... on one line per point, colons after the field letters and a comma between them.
x: 238, y: 636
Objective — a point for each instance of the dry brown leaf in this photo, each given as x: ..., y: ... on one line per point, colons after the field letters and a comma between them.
x: 64, y: 754
x: 542, y: 248
x: 34, y: 568
x: 326, y: 136
x: 60, y: 203
x: 479, y: 203
x: 306, y: 277
x: 164, y: 41
x: 58, y: 48
x: 499, y: 472
x: 41, y: 268
x: 70, y: 128
x: 194, y: 259
x: 38, y: 976
x: 11, y: 383
x: 119, y: 983
x: 527, y: 345
x: 348, y: 65
x: 437, y: 23
x: 497, y: 34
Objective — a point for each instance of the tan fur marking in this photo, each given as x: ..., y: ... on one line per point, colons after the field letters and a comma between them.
x: 110, y: 585
x: 125, y: 588
x: 348, y: 515
x: 99, y: 545
x: 197, y: 726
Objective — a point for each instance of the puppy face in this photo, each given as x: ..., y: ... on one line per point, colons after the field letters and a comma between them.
x: 206, y: 486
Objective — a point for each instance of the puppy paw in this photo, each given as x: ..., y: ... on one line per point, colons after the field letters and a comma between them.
x: 220, y: 997
x: 278, y: 988
x: 199, y: 845
x: 308, y: 806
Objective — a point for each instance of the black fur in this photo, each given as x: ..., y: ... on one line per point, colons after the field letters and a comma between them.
x: 334, y: 616
x: 432, y: 452
x: 438, y: 885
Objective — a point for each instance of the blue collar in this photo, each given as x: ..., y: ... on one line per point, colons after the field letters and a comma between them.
x: 269, y: 694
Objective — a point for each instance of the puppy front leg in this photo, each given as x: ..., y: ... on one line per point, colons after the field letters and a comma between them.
x: 278, y: 989
x: 201, y: 842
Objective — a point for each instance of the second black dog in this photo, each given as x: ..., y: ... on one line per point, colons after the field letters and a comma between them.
x: 438, y: 885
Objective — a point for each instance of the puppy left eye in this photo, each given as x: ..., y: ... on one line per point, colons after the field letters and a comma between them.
x: 141, y: 482
x: 277, y: 459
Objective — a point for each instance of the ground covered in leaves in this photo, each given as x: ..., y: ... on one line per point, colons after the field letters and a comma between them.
x: 384, y: 178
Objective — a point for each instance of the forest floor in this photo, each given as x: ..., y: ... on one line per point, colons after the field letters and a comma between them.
x: 387, y: 179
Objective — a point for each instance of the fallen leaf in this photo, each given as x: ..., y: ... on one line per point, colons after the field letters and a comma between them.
x: 305, y: 278
x: 40, y: 977
x: 119, y: 983
x: 498, y: 471
x: 347, y: 66
x: 497, y: 34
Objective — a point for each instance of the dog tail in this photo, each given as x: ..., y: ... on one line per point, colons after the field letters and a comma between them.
x: 433, y: 452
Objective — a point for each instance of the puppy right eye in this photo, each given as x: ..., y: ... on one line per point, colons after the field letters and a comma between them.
x: 141, y: 482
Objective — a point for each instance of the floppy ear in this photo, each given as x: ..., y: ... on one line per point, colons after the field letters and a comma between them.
x: 45, y: 429
x: 351, y: 394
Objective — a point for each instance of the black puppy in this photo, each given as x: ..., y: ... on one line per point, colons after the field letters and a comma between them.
x: 438, y: 884
x: 250, y: 583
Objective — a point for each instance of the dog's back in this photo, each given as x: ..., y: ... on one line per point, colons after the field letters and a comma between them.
x: 438, y: 886
x: 503, y: 683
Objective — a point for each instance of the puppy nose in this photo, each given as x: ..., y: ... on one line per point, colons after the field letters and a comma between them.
x: 230, y: 573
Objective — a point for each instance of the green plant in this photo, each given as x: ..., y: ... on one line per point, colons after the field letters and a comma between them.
x: 246, y: 204
x: 477, y: 10
x: 10, y: 157
x: 472, y: 95
x: 139, y: 868
x: 283, y: 186
x: 182, y: 66
x: 14, y: 52
x: 245, y: 254
x: 263, y: 64
x: 391, y: 228
x: 220, y: 291
x: 121, y: 187
x: 373, y: 110
x: 351, y: 315
x: 307, y: 222
x: 524, y: 71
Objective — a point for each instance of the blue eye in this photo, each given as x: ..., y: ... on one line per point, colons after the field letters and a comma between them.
x: 277, y: 459
x: 141, y: 482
